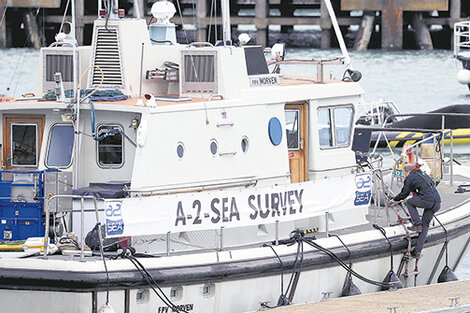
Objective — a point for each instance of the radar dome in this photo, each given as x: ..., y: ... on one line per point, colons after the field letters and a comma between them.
x: 163, y: 11
x: 463, y: 76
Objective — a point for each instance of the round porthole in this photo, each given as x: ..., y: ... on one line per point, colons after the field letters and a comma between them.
x: 214, y: 147
x: 245, y: 144
x: 180, y: 150
x: 275, y: 131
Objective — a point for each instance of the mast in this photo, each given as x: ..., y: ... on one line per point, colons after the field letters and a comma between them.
x: 226, y: 30
x: 339, y: 36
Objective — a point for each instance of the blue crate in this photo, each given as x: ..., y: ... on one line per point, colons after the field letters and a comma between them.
x: 21, y: 217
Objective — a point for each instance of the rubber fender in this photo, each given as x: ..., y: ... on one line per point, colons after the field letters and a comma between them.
x: 349, y: 288
x: 390, y: 278
x: 446, y: 275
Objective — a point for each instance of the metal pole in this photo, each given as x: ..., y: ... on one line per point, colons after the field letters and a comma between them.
x: 82, y: 228
x: 76, y: 94
x: 226, y: 31
x: 221, y: 238
x: 46, y: 235
x: 434, y: 177
x: 339, y: 36
x: 141, y: 70
x: 168, y: 243
x: 276, y: 242
x: 327, y: 226
x: 451, y: 158
x: 136, y: 9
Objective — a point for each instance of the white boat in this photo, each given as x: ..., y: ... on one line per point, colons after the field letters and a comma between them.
x: 237, y: 188
x: 462, y: 50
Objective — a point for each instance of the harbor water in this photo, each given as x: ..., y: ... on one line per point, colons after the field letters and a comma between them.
x: 417, y: 81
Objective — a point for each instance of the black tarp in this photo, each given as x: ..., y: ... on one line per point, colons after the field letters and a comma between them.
x: 435, y: 122
x: 103, y: 190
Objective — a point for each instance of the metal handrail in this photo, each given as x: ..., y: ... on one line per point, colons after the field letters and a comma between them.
x: 423, y: 114
x: 82, y: 210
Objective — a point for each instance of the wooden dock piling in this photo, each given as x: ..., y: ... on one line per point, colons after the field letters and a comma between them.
x: 392, y: 15
x: 261, y: 23
x: 3, y: 28
x: 325, y: 24
x: 365, y: 31
x: 422, y: 34
x: 387, y: 14
x: 31, y: 27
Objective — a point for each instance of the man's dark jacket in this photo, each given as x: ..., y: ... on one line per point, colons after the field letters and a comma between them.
x: 420, y: 183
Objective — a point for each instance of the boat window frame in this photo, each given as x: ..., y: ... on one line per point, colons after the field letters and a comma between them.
x: 331, y: 115
x: 49, y: 143
x: 36, y: 126
x: 297, y: 121
x: 110, y: 166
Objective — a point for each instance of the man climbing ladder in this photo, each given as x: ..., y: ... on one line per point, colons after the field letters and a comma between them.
x: 426, y: 196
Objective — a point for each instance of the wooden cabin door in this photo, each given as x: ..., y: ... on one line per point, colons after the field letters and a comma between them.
x: 22, y: 139
x: 296, y: 133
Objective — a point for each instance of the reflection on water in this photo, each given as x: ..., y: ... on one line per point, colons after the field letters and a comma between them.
x: 417, y: 81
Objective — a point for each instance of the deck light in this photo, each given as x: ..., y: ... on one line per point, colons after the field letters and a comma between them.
x: 134, y: 123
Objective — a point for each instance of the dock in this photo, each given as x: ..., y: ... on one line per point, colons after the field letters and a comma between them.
x: 438, y: 298
x: 386, y: 24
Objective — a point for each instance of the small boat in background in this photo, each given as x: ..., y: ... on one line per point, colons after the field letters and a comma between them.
x: 411, y: 127
x: 462, y: 50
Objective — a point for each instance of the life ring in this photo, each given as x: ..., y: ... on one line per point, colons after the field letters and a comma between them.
x: 408, y: 153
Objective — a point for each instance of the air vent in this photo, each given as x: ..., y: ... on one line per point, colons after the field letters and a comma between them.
x: 107, y: 56
x: 57, y: 60
x: 199, y: 72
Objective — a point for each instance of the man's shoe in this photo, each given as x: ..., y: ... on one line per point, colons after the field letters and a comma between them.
x: 416, y: 228
x: 415, y: 254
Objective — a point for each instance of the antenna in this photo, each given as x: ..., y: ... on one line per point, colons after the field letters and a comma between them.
x: 76, y: 95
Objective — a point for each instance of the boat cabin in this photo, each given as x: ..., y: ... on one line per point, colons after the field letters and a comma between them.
x: 172, y: 118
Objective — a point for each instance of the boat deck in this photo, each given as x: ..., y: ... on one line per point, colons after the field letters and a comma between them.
x: 37, y: 102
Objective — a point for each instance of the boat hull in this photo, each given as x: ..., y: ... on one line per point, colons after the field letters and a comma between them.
x: 226, y: 286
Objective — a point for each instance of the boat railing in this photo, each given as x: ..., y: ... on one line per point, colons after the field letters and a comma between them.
x: 443, y: 133
x: 71, y: 210
x: 319, y: 65
x: 461, y: 37
x: 375, y: 112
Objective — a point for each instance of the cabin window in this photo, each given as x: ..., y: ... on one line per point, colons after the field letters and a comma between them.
x: 24, y: 145
x: 343, y: 123
x: 180, y: 150
x: 334, y: 126
x: 292, y: 129
x: 111, y: 147
x: 59, y: 153
x: 245, y: 144
x: 214, y: 147
x: 324, y: 128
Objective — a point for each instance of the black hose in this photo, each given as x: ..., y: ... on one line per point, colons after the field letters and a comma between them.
x: 282, y: 269
x: 447, y: 241
x: 389, y: 243
x: 151, y: 281
x: 104, y: 262
x: 298, y: 236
